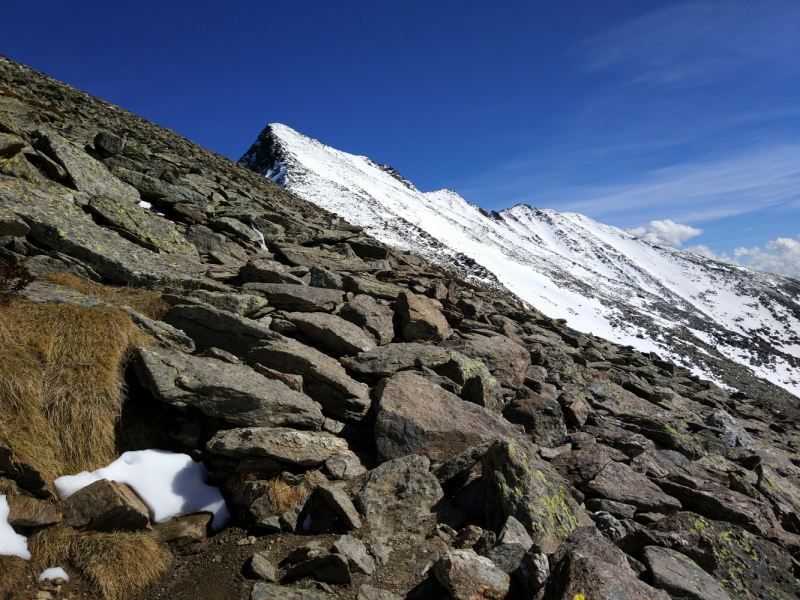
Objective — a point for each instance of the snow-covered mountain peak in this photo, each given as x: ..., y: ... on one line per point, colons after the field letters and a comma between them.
x: 709, y: 316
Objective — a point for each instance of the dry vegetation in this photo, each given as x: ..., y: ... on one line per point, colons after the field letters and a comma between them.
x: 11, y: 571
x: 146, y: 302
x: 118, y: 564
x: 61, y: 383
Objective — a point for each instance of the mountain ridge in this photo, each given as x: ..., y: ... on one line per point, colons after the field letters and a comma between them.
x: 694, y: 310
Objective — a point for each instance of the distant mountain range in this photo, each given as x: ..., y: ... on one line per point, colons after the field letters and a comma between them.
x: 714, y: 318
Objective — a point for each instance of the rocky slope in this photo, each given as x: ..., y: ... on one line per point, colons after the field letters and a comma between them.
x: 378, y: 427
x: 706, y: 315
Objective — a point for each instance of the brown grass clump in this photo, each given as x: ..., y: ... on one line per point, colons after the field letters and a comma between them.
x: 61, y: 383
x: 285, y: 496
x: 11, y: 571
x: 118, y: 564
x: 146, y: 302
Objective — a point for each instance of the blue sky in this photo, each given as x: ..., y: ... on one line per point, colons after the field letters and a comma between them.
x: 682, y: 114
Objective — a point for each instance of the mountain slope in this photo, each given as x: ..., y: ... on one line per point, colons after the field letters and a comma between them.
x: 706, y: 315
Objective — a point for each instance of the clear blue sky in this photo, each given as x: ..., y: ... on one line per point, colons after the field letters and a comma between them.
x: 626, y: 111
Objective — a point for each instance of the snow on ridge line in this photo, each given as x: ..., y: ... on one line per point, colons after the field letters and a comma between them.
x: 168, y: 483
x: 600, y: 278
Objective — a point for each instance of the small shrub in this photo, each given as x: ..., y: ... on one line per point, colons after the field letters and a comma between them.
x: 12, y: 279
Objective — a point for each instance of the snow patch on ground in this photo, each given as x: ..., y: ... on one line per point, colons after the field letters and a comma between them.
x: 53, y: 573
x: 169, y: 484
x: 11, y: 543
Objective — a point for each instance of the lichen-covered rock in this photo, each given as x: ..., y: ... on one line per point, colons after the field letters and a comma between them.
x: 305, y: 448
x: 385, y: 361
x: 271, y: 591
x: 679, y: 575
x: 519, y: 484
x: 415, y: 416
x: 506, y: 360
x: 333, y: 261
x: 399, y: 495
x: 478, y: 385
x: 618, y: 482
x: 468, y: 576
x: 301, y: 298
x: 212, y: 327
x: 541, y: 417
x: 420, y: 319
x: 235, y: 393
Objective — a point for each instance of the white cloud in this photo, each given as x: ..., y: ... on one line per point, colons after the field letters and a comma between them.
x: 666, y: 233
x: 782, y: 256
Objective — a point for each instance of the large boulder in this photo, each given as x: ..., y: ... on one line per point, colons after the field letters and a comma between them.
x: 618, y: 482
x: 399, y: 495
x: 304, y: 448
x: 333, y: 332
x: 373, y: 317
x: 65, y: 228
x: 416, y: 416
x: 85, y: 173
x: 679, y: 575
x: 541, y: 417
x: 507, y: 360
x: 301, y: 298
x: 140, y: 225
x: 232, y: 392
x: 421, y: 319
x: 518, y: 484
x: 324, y: 378
x: 385, y: 361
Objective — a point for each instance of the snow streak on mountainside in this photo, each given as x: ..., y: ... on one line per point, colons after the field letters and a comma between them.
x: 603, y: 280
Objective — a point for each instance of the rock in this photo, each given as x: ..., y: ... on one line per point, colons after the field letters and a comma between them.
x: 239, y: 304
x: 579, y: 467
x: 232, y: 392
x: 235, y: 228
x: 330, y: 568
x: 534, y: 571
x: 325, y: 279
x: 10, y: 144
x: 324, y: 378
x: 461, y: 462
x: 420, y: 319
x: 733, y: 434
x: 479, y: 386
x: 148, y: 187
x: 24, y: 474
x: 356, y: 553
x: 65, y: 228
x: 518, y: 484
x: 163, y: 332
x: 415, y: 416
x: 618, y: 482
x: 262, y: 568
x: 784, y: 493
x: 398, y: 496
x: 183, y: 530
x: 680, y: 576
x: 506, y: 360
x: 325, y: 259
x: 371, y: 287
x: 514, y: 532
x: 269, y: 591
x: 305, y: 448
x: 369, y: 250
x: 609, y: 526
x: 25, y: 511
x: 345, y: 465
x: 301, y: 298
x: 211, y: 327
x: 719, y: 502
x: 333, y: 332
x: 507, y: 557
x: 631, y: 444
x: 214, y: 244
x: 11, y: 224
x: 293, y: 382
x: 375, y: 318
x: 618, y: 509
x: 385, y: 361
x: 108, y: 144
x: 576, y: 409
x: 85, y: 173
x: 367, y: 592
x: 541, y: 418
x: 338, y: 500
x: 468, y: 576
x: 260, y: 269
x: 105, y: 506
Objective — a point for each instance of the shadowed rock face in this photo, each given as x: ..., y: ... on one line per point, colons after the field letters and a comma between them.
x: 293, y: 365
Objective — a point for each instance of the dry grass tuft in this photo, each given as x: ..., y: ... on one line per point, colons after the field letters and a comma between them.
x: 285, y: 496
x: 118, y: 564
x: 146, y: 302
x: 11, y: 571
x: 61, y: 383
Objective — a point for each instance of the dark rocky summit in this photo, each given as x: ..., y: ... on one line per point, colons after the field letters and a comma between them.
x: 379, y: 429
